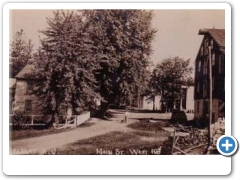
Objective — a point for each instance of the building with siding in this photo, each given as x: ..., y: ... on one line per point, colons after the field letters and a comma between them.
x: 186, y: 103
x: 12, y: 86
x: 212, y: 48
x: 24, y: 99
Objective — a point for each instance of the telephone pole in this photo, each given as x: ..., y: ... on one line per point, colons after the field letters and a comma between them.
x: 210, y: 95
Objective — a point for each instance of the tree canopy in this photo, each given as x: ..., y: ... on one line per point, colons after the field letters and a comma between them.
x: 94, y: 54
x: 20, y: 53
x: 122, y: 40
x: 70, y: 81
x: 169, y: 76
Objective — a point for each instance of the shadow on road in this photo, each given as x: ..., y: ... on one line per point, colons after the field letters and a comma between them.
x: 150, y: 119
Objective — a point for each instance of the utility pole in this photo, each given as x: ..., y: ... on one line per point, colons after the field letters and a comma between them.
x: 210, y: 94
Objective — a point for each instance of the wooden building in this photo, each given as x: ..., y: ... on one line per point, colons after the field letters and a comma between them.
x: 12, y: 86
x: 212, y: 48
x: 24, y: 99
x: 185, y: 103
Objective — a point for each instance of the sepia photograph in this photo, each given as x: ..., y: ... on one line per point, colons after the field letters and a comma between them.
x: 116, y: 81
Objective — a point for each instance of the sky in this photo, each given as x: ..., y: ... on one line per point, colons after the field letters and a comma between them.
x: 177, y: 30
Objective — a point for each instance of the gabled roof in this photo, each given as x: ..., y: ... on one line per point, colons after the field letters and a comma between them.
x: 12, y: 82
x: 26, y: 71
x: 217, y: 34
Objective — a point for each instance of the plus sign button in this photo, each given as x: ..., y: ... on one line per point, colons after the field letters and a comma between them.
x: 227, y: 145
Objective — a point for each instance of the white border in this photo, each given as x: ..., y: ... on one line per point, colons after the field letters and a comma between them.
x: 114, y: 165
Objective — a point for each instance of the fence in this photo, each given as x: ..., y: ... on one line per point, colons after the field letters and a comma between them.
x: 80, y: 119
x: 29, y: 120
x: 37, y: 120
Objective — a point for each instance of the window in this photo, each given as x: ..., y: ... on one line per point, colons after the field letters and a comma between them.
x: 206, y: 47
x: 28, y: 105
x: 205, y: 66
x: 205, y: 88
x: 198, y: 87
x: 213, y: 59
x: 206, y: 107
x: 213, y: 83
x: 199, y: 66
x: 201, y: 50
x: 197, y: 106
x: 29, y: 88
x: 220, y: 64
x: 212, y: 43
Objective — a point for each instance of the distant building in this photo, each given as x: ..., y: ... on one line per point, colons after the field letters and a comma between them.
x: 187, y: 99
x: 23, y: 94
x: 12, y: 86
x: 212, y: 47
x: 23, y: 97
x: 186, y: 103
x: 149, y: 104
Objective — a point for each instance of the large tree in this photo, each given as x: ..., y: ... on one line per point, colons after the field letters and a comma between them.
x: 122, y: 40
x: 68, y: 67
x: 168, y: 78
x: 20, y: 53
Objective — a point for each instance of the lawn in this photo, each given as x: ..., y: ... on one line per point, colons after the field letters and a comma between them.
x: 113, y: 143
x: 143, y: 138
x: 30, y: 133
x: 147, y: 125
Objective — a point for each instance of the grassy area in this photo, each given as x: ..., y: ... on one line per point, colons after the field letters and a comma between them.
x: 113, y: 143
x: 146, y: 125
x: 29, y: 133
x: 159, y: 134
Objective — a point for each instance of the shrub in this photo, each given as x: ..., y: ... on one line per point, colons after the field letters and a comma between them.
x: 19, y: 119
x: 22, y: 120
x: 201, y: 123
x: 146, y: 125
x: 178, y: 117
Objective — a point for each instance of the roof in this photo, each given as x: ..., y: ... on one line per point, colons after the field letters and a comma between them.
x: 27, y: 70
x: 217, y: 34
x: 12, y: 82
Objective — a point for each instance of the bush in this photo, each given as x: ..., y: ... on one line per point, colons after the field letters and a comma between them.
x: 22, y: 120
x: 19, y: 119
x: 178, y: 117
x: 146, y: 125
x: 201, y: 123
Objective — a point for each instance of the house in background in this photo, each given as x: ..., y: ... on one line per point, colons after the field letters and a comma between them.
x: 149, y: 104
x: 186, y: 103
x: 12, y: 86
x: 212, y: 47
x: 23, y: 97
x: 25, y: 100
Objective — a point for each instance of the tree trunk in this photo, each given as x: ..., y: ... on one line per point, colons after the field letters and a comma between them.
x: 54, y: 120
x: 103, y: 109
x: 153, y: 103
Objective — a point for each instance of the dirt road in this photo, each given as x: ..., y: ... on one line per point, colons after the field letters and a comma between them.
x: 43, y: 143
